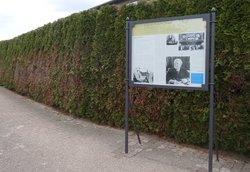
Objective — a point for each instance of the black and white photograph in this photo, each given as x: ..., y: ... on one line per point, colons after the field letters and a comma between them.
x: 143, y: 76
x: 191, y: 41
x: 171, y: 40
x: 178, y: 70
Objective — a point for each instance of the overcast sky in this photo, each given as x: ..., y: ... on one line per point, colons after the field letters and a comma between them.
x: 21, y: 16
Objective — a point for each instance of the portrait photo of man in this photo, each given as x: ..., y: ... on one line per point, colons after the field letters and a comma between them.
x: 177, y: 70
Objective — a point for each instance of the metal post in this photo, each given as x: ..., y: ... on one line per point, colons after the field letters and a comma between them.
x: 127, y: 85
x: 211, y: 106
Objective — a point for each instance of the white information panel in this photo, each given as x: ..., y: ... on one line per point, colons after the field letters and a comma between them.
x: 170, y: 52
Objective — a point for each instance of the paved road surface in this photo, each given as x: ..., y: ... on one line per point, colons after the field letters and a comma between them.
x: 36, y: 138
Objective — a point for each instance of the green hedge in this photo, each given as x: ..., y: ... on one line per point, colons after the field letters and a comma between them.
x: 78, y: 65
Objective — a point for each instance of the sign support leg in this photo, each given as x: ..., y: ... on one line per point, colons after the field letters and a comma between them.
x: 133, y: 119
x: 127, y: 86
x: 216, y: 142
x: 211, y: 106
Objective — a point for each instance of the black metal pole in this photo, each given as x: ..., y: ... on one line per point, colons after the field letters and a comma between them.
x: 127, y: 85
x: 211, y: 106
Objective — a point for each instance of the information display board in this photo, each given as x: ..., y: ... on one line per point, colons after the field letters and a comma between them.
x: 170, y: 52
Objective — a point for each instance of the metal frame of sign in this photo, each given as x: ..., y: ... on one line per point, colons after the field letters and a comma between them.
x: 132, y: 24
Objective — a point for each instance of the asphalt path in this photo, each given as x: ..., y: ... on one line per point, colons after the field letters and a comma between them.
x: 38, y: 138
